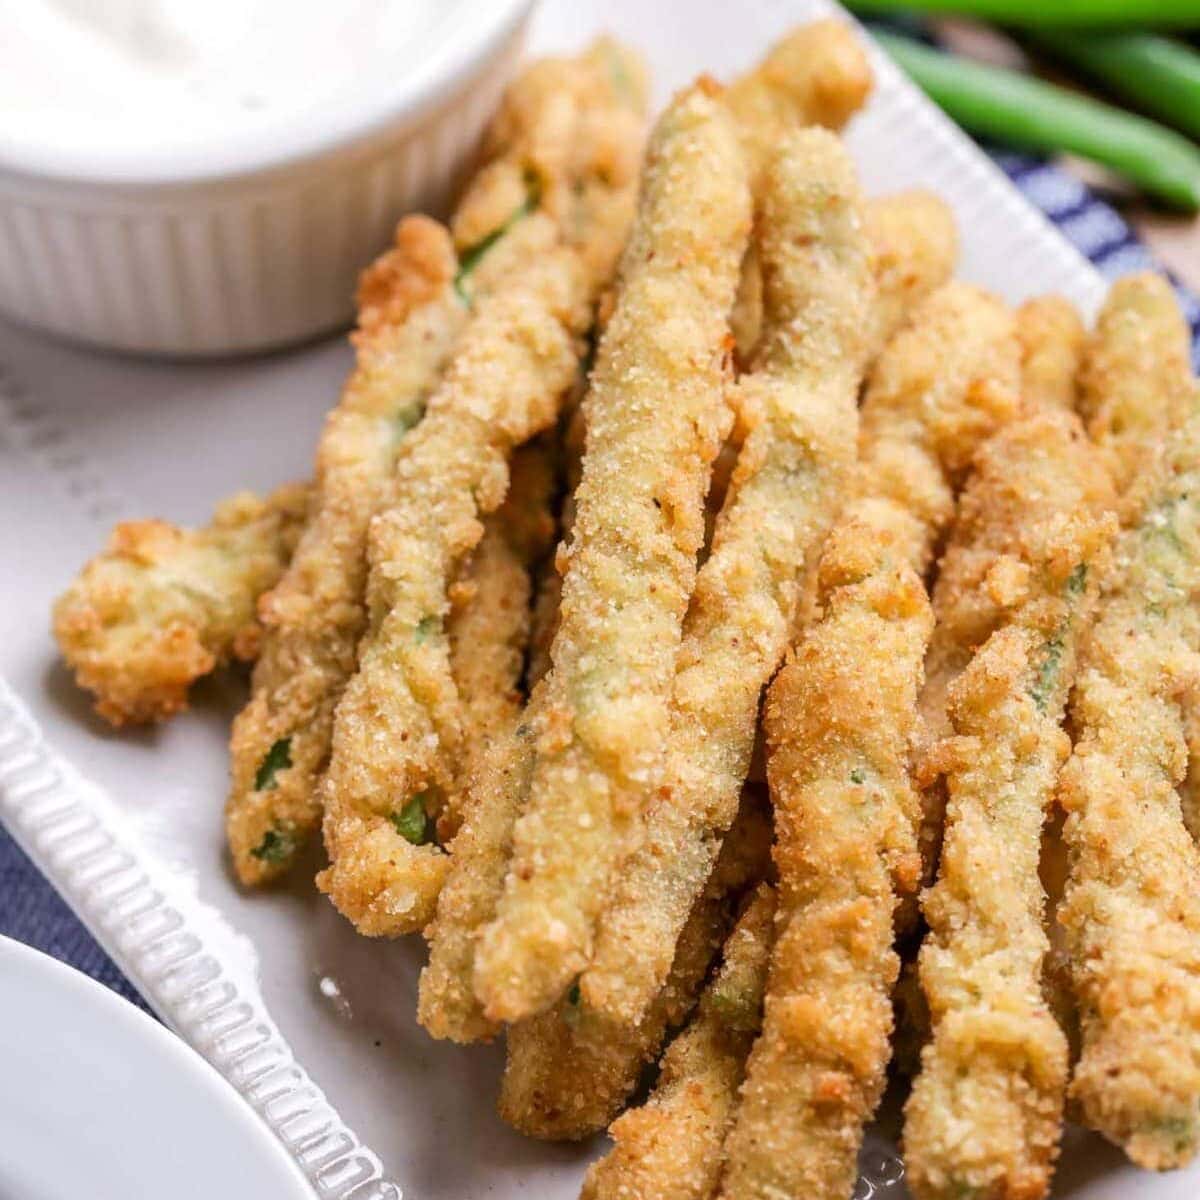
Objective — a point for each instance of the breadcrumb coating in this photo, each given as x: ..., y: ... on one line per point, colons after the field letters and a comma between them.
x: 670, y: 1148
x: 488, y: 625
x: 914, y: 248
x: 944, y: 383
x: 841, y: 721
x: 1052, y: 337
x: 656, y: 416
x: 1139, y: 349
x: 162, y: 606
x: 497, y: 781
x: 1131, y: 911
x: 817, y: 74
x: 409, y: 319
x: 570, y: 1069
x: 398, y: 728
x: 798, y: 413
x: 566, y: 137
x: 985, y: 1114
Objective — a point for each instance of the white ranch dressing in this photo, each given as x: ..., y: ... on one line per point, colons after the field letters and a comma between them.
x: 136, y: 74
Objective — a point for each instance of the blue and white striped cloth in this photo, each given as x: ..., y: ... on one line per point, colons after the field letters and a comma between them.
x: 1095, y: 228
x: 32, y: 912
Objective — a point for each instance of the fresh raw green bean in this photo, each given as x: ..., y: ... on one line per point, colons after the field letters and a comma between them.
x: 1037, y: 116
x: 1143, y: 14
x: 1158, y: 74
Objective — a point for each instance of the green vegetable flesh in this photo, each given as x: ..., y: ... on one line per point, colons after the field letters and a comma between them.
x: 1046, y: 678
x: 412, y: 822
x: 277, y: 846
x: 1159, y: 75
x: 473, y: 255
x: 1142, y: 14
x: 425, y: 628
x: 572, y: 1011
x: 1025, y: 112
x: 406, y: 418
x: 277, y: 759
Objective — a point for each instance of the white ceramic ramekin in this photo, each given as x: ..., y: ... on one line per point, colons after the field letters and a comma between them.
x: 249, y: 245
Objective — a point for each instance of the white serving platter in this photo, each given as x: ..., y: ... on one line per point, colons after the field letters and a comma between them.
x: 142, y: 1114
x: 312, y: 1024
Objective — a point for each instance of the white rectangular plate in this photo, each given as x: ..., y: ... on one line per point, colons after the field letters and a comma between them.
x: 129, y: 827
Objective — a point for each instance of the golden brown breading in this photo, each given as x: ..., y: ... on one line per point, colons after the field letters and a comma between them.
x: 914, y: 246
x: 1189, y: 789
x: 488, y: 626
x: 1132, y: 905
x: 1140, y: 349
x: 567, y: 137
x: 818, y: 74
x: 985, y: 1113
x: 409, y: 320
x: 398, y: 727
x: 656, y: 415
x: 798, y: 414
x: 570, y: 1069
x: 840, y: 720
x: 497, y: 781
x: 943, y: 384
x: 162, y: 606
x: 1052, y: 340
x: 671, y: 1147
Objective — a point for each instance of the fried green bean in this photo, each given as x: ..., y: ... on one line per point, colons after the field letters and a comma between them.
x: 398, y: 728
x: 1131, y: 909
x: 1052, y: 340
x: 163, y: 606
x: 985, y: 1114
x: 570, y: 1069
x: 840, y: 720
x: 656, y: 415
x: 566, y: 136
x: 798, y: 411
x: 489, y: 623
x: 671, y: 1147
x: 1135, y: 383
x: 914, y: 246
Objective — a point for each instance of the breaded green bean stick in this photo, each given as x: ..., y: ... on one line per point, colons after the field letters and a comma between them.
x: 567, y: 135
x: 798, y: 409
x: 1132, y: 904
x: 914, y: 247
x: 162, y: 606
x: 1052, y: 340
x: 656, y: 416
x: 408, y: 321
x: 497, y: 781
x: 570, y: 1070
x: 488, y: 626
x: 671, y: 1147
x: 398, y: 727
x: 841, y: 719
x: 943, y: 384
x: 818, y: 74
x: 985, y: 1114
x: 1140, y: 350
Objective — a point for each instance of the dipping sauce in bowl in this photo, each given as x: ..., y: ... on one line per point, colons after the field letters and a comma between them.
x: 162, y: 160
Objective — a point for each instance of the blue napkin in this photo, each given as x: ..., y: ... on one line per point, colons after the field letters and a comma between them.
x: 31, y: 911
